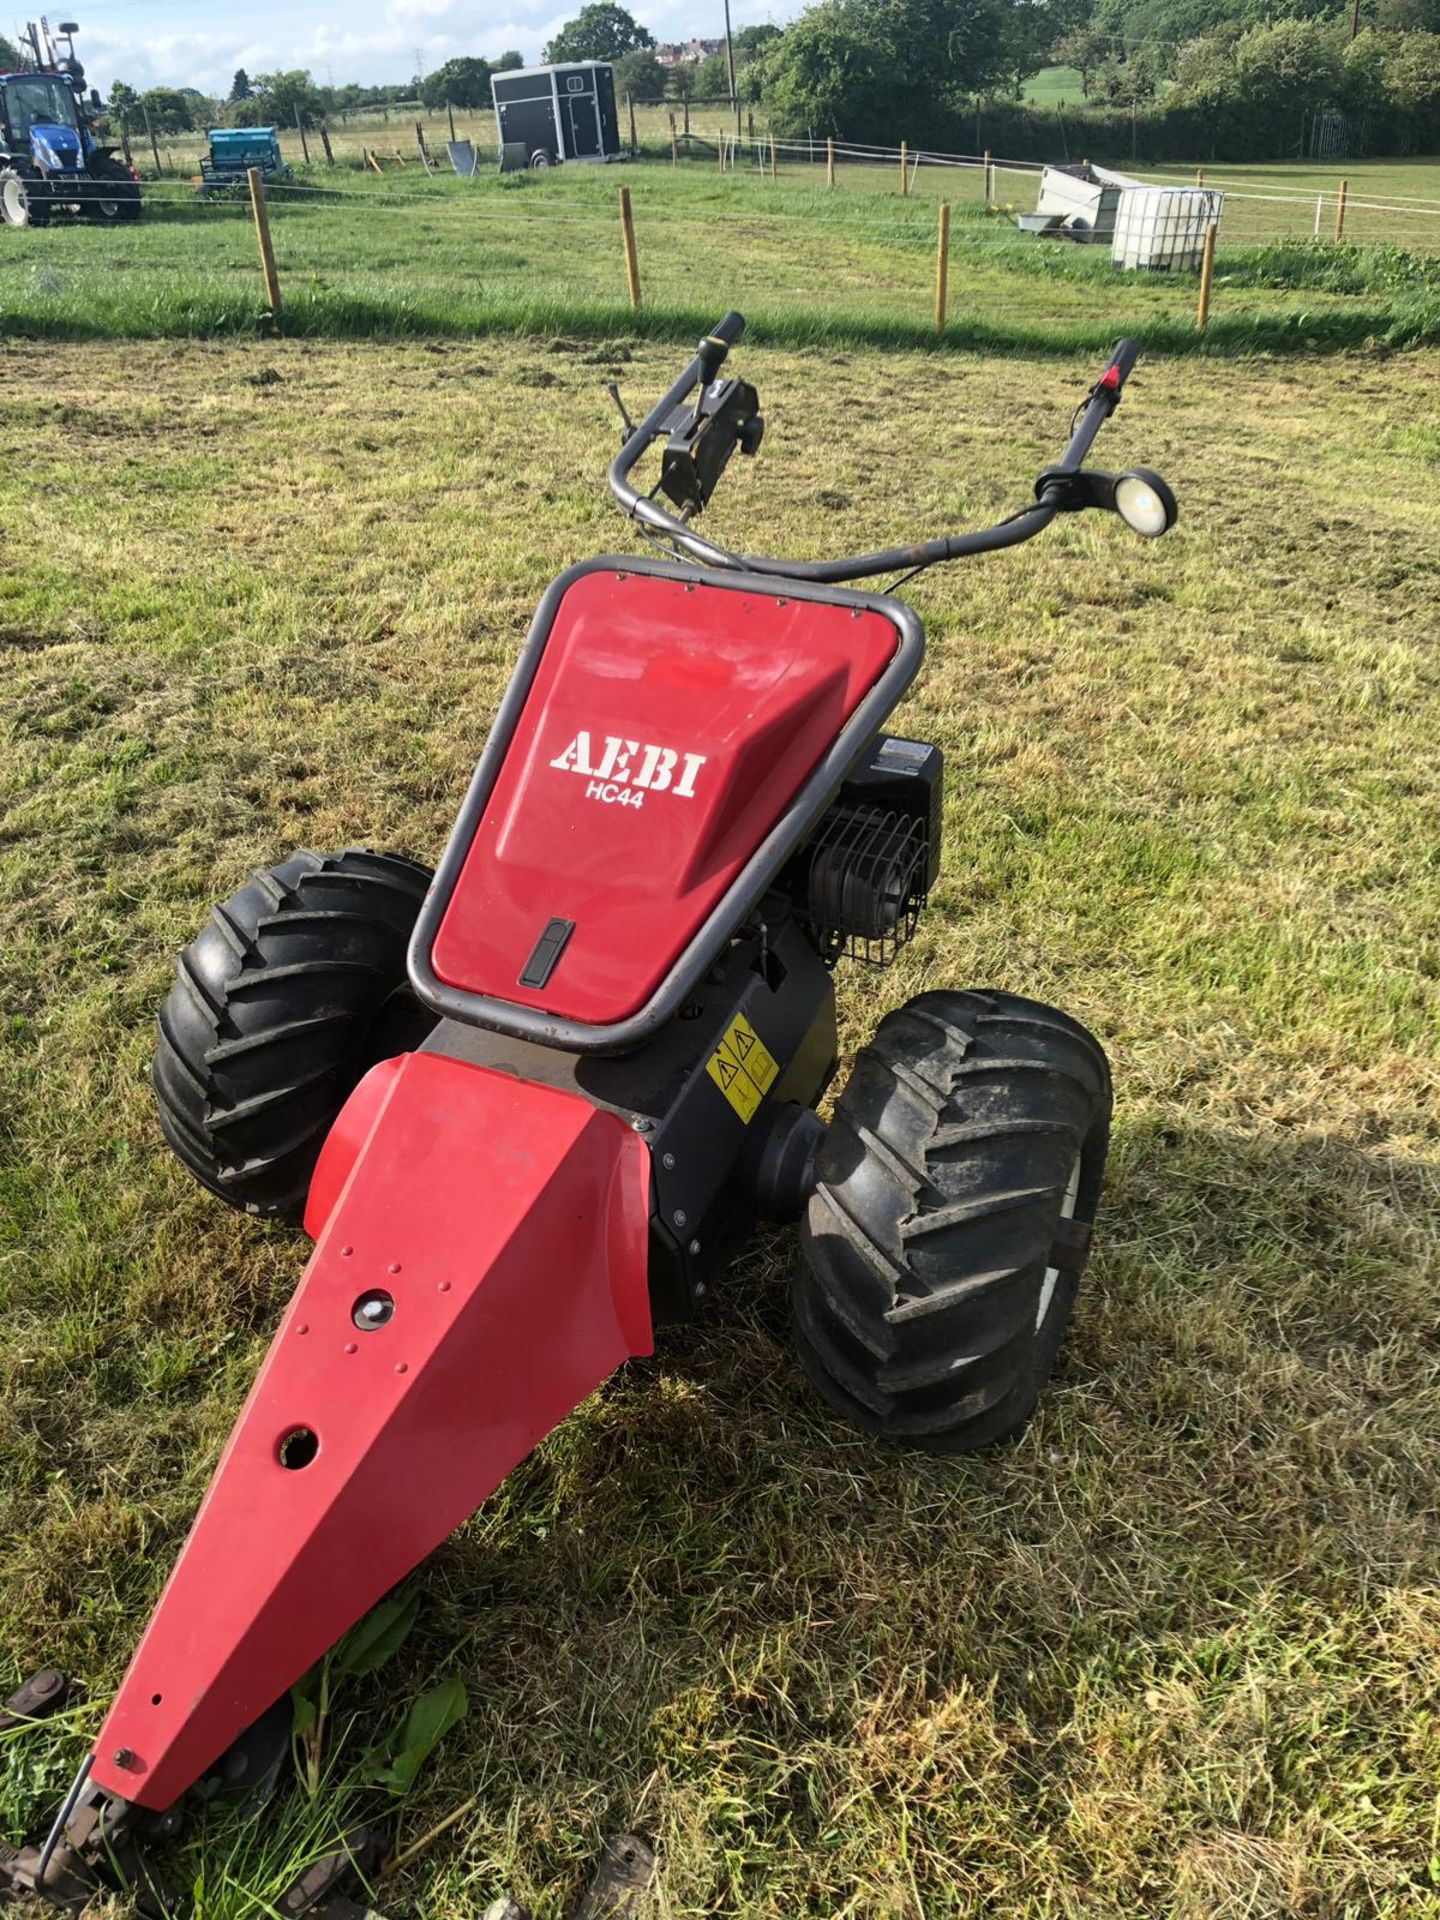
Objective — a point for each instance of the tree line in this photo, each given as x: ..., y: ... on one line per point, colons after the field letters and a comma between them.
x: 1203, y: 79
x: 1195, y: 78
x: 1237, y: 79
x: 280, y: 99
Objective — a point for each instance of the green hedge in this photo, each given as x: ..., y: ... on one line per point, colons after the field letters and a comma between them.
x: 1157, y: 134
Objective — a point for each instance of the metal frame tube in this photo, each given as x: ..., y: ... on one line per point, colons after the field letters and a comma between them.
x: 1103, y: 399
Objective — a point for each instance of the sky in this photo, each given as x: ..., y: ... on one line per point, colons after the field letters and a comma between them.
x: 178, y: 43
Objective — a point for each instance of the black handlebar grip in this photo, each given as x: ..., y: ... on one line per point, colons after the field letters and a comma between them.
x: 730, y: 329
x: 1123, y: 358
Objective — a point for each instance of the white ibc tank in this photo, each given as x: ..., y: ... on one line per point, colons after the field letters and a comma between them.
x: 1160, y: 227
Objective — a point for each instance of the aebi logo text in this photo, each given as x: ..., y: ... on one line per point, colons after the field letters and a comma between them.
x: 624, y: 771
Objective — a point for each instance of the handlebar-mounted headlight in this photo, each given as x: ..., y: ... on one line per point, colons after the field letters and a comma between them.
x: 1145, y: 503
x: 702, y: 439
x: 1141, y: 498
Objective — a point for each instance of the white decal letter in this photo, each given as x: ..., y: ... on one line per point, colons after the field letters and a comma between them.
x: 656, y: 768
x: 615, y: 763
x: 576, y: 757
x: 685, y: 785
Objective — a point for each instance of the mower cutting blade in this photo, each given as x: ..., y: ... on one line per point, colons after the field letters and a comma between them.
x: 42, y: 1694
x: 624, y: 1873
x: 481, y: 1270
x: 325, y: 1890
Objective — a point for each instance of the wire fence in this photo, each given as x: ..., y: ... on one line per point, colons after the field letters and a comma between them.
x: 1287, y: 201
x: 1256, y: 209
x: 805, y: 234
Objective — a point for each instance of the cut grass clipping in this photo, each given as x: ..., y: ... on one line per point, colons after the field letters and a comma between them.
x: 1175, y: 1654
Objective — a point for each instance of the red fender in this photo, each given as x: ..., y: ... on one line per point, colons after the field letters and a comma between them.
x: 508, y: 1223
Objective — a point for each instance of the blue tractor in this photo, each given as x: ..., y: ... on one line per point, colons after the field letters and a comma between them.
x: 50, y: 159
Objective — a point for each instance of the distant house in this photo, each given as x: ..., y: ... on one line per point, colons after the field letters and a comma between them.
x: 681, y: 52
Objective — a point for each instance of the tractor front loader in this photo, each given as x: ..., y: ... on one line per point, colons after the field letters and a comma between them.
x: 530, y: 1107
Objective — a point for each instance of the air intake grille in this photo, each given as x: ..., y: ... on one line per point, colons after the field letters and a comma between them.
x: 864, y: 883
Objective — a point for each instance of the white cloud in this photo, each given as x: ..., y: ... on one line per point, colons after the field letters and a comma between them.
x: 377, y: 41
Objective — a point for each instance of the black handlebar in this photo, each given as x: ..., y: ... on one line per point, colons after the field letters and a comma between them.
x: 1054, y: 494
x: 1123, y: 359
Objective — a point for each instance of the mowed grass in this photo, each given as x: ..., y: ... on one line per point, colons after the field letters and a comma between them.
x: 363, y: 256
x: 1174, y: 1654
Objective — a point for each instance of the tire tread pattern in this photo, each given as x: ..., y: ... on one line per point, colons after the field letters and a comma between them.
x: 938, y: 1197
x: 262, y: 1037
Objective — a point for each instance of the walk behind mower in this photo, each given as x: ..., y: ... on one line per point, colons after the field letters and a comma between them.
x: 529, y: 1107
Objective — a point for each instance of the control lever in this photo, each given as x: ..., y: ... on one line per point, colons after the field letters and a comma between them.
x: 627, y: 430
x: 709, y: 358
x: 726, y: 415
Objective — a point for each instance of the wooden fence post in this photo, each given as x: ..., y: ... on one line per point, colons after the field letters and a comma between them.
x: 1199, y: 176
x: 125, y: 144
x: 674, y: 144
x: 423, y: 145
x: 300, y: 129
x: 450, y: 116
x: 942, y: 266
x: 634, y: 143
x: 262, y: 232
x: 774, y: 163
x: 1340, y: 212
x: 830, y: 160
x: 153, y: 147
x: 989, y: 179
x: 1207, y: 272
x: 627, y: 234
x: 904, y: 166
x: 325, y: 143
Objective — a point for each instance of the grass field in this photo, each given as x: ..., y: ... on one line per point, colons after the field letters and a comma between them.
x: 361, y: 255
x: 1279, y: 202
x: 1175, y: 1654
x: 391, y: 136
x: 1054, y: 87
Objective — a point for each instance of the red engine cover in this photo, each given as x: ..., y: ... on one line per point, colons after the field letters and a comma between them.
x: 669, y: 725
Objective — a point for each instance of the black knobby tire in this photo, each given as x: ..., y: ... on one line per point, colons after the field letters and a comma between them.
x: 280, y: 1004
x: 943, y: 1243
x: 23, y: 201
x: 112, y: 193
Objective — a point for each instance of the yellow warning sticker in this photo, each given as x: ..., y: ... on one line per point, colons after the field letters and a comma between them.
x: 743, y: 1068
